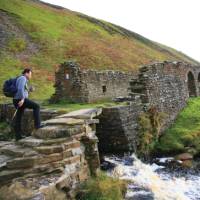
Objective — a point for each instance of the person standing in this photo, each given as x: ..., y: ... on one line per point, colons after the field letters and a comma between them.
x: 21, y: 102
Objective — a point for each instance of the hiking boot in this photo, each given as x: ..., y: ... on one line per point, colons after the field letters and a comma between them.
x: 41, y: 126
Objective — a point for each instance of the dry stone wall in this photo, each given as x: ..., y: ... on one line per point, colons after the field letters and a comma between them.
x: 74, y: 84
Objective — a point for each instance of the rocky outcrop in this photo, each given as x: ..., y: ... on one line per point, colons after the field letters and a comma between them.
x: 11, y: 30
x: 52, y: 162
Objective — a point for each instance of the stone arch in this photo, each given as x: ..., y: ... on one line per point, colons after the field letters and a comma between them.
x: 198, y: 83
x: 191, y: 84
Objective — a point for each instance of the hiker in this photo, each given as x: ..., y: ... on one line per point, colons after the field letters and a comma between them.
x: 21, y: 101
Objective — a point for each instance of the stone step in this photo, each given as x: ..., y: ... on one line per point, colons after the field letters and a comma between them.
x: 71, y: 160
x: 49, y: 158
x: 50, y: 132
x: 17, y: 151
x: 35, y: 142
x: 30, y: 162
x: 72, y: 144
x: 49, y: 149
x: 18, y: 163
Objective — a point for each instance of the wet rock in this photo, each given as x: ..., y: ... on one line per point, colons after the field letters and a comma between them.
x: 105, y: 165
x: 187, y: 163
x: 141, y: 197
x: 184, y: 156
x: 128, y: 160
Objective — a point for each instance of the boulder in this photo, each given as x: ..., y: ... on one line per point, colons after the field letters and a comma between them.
x: 184, y: 156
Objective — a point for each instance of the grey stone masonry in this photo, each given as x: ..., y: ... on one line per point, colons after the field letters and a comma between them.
x: 167, y: 86
x: 53, y: 162
x: 77, y: 85
x: 117, y: 129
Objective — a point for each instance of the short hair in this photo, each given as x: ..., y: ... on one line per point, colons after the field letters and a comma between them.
x: 26, y: 70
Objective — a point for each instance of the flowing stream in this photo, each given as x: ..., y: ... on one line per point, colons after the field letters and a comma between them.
x: 153, y: 181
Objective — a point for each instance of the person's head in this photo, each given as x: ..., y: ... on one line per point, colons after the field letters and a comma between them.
x: 27, y: 72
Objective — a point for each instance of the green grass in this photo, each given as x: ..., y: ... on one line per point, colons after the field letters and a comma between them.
x: 17, y: 45
x: 184, y: 134
x: 103, y: 187
x: 65, y: 106
x: 10, y: 67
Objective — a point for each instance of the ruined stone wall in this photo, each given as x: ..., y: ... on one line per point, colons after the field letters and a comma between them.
x: 167, y: 86
x: 117, y: 129
x: 78, y: 85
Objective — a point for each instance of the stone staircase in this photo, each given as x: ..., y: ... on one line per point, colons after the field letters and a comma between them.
x: 52, y: 162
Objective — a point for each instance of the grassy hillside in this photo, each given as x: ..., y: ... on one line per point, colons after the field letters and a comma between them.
x: 42, y: 36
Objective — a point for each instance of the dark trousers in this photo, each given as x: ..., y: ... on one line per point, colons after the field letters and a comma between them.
x: 20, y: 111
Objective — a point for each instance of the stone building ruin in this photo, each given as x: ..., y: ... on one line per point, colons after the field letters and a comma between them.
x: 79, y: 85
x: 76, y: 85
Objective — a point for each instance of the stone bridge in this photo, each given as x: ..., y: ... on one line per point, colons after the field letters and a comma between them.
x: 165, y: 86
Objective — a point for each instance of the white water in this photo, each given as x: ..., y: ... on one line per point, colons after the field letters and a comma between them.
x: 163, y: 186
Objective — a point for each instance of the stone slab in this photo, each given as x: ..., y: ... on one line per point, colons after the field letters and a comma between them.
x: 21, y: 162
x: 49, y: 132
x: 49, y: 149
x: 17, y: 151
x: 64, y: 121
x: 89, y: 113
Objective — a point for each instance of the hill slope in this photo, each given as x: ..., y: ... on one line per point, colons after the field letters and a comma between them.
x: 42, y: 36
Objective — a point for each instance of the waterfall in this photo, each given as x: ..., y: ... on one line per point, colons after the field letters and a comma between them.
x: 159, y: 186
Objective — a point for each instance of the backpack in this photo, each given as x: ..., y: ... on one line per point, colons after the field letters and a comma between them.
x: 9, y: 87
